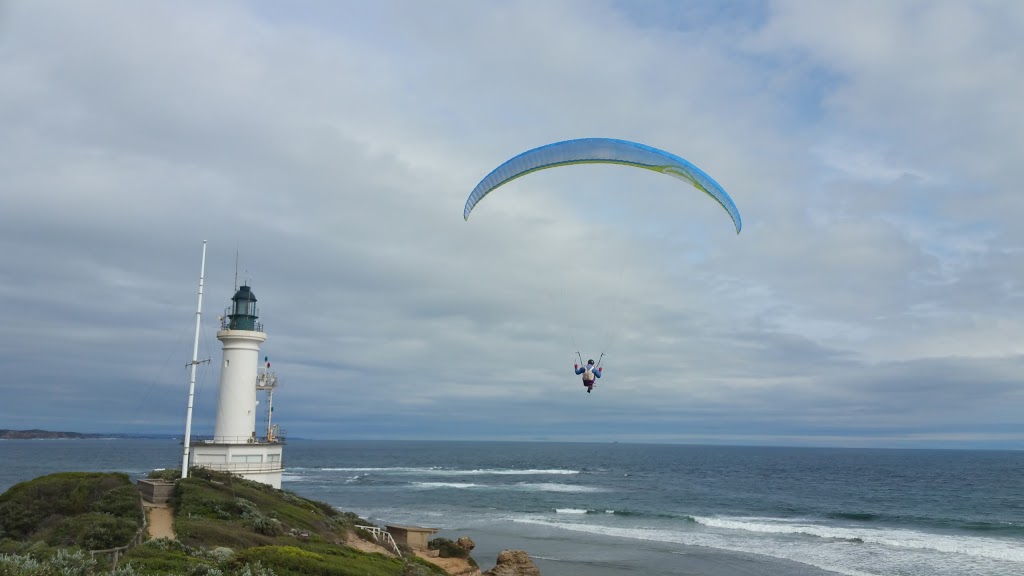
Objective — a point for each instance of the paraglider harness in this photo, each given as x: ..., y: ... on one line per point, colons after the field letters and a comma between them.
x: 589, y: 375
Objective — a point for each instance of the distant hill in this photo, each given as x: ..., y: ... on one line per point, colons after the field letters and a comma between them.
x: 36, y: 434
x: 32, y: 434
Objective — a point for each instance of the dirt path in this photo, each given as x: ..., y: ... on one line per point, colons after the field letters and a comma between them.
x: 454, y: 566
x: 160, y: 518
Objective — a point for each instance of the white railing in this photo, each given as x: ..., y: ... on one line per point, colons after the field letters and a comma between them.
x: 279, y: 439
x: 241, y: 467
x: 382, y: 534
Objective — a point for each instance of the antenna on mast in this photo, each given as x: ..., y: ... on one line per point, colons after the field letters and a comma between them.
x: 267, y: 381
x: 235, y: 289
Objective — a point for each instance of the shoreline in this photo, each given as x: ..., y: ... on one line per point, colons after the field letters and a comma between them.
x: 556, y: 554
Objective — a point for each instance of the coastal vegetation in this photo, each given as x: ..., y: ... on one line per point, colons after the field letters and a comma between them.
x: 450, y: 549
x: 224, y: 526
x: 93, y: 511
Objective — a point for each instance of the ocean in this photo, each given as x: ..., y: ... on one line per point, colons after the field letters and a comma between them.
x: 615, y: 509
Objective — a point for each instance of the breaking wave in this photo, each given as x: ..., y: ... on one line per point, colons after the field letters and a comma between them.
x: 994, y: 548
x: 520, y: 486
x: 604, y: 511
x: 432, y: 471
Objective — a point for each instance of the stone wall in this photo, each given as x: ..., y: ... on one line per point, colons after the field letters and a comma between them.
x: 156, y: 491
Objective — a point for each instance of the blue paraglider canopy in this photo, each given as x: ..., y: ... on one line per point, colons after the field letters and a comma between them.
x: 602, y: 151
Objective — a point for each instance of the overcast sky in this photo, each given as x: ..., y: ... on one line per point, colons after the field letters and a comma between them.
x: 874, y: 149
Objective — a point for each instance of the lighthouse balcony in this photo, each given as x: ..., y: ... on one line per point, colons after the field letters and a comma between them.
x: 242, y: 467
x: 229, y: 323
x: 238, y: 440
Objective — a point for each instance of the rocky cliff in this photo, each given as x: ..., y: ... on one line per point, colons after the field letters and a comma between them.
x: 513, y: 563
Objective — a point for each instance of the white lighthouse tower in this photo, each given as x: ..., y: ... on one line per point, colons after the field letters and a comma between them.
x: 235, y: 447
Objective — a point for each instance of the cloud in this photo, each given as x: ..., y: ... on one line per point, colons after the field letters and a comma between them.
x: 331, y: 151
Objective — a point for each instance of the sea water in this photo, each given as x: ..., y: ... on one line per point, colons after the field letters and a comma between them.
x: 616, y: 509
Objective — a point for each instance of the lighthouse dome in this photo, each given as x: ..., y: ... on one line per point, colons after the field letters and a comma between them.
x: 244, y: 293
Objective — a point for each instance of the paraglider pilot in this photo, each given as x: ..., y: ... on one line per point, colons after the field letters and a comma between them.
x: 589, y: 373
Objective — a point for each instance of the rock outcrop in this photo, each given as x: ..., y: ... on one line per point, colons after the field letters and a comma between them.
x: 513, y: 563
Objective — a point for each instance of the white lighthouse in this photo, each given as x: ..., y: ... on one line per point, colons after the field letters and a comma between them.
x: 235, y: 446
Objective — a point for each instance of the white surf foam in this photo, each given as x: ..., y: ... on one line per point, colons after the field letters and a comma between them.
x: 454, y: 472
x: 429, y: 485
x: 556, y: 487
x: 995, y: 548
x: 519, y: 486
x: 848, y: 556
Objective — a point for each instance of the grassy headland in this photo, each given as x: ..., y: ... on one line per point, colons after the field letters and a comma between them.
x: 224, y: 526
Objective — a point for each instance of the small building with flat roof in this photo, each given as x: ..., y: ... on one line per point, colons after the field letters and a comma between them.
x: 156, y: 491
x: 414, y: 537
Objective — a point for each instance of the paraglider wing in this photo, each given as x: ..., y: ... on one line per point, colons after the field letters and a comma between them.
x: 602, y: 151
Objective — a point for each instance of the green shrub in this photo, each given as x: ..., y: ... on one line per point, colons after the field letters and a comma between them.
x: 17, y: 565
x: 39, y: 504
x: 321, y: 560
x: 220, y: 553
x: 447, y: 549
x: 76, y: 563
x: 125, y: 570
x: 9, y: 546
x: 63, y: 563
x: 93, y: 531
x: 160, y: 557
x: 255, y: 569
x: 205, y: 570
x: 165, y: 474
x: 267, y: 526
x: 123, y: 502
x: 207, y: 532
x: 164, y: 544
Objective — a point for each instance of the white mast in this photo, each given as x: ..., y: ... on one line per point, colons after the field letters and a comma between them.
x: 195, y: 361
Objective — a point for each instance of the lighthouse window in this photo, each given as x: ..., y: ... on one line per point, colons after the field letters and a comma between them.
x: 247, y: 458
x: 226, y: 362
